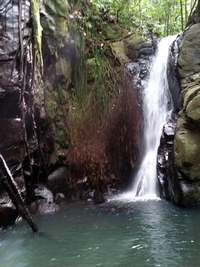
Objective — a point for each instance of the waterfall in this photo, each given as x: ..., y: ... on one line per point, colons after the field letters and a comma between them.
x: 157, y: 107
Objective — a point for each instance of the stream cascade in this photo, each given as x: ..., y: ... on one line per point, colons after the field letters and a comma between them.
x: 157, y: 109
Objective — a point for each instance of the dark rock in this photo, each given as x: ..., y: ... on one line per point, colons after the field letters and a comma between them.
x: 148, y: 51
x: 168, y: 184
x: 133, y: 68
x: 172, y: 74
x: 8, y: 216
x: 57, y: 181
x: 16, y: 93
x: 98, y: 197
x: 11, y: 139
x: 139, y: 69
x: 190, y: 194
x: 147, y: 45
x: 59, y: 198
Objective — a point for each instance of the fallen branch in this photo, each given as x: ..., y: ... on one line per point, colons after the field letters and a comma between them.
x: 15, y: 195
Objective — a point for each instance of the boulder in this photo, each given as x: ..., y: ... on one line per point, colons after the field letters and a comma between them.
x: 132, y: 45
x: 187, y: 150
x: 118, y: 50
x: 189, y: 59
x: 57, y: 180
x: 193, y: 108
x: 44, y: 203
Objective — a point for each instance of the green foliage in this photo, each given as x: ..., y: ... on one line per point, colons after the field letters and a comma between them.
x: 163, y: 17
x: 94, y: 82
x: 100, y: 24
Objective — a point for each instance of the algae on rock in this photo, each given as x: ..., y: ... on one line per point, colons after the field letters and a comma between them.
x: 58, y: 55
x: 37, y: 29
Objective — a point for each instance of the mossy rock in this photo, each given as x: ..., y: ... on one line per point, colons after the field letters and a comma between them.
x: 58, y: 52
x: 132, y: 44
x: 193, y: 108
x: 191, y: 97
x: 189, y: 58
x: 189, y: 93
x: 55, y: 17
x: 187, y: 150
x: 127, y: 49
x: 119, y: 51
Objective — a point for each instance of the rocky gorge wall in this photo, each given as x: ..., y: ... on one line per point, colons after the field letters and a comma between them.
x: 56, y: 146
x: 179, y: 152
x: 187, y: 142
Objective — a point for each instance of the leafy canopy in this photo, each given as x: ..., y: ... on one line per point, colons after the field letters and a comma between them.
x: 163, y: 17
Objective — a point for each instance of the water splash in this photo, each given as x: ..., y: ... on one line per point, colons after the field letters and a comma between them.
x: 157, y: 107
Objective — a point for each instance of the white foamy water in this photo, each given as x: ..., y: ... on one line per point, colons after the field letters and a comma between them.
x: 157, y: 107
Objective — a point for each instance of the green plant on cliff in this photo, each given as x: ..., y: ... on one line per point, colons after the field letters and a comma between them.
x: 94, y: 79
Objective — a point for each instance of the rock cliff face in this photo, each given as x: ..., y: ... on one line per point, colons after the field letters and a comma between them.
x: 11, y: 134
x: 187, y: 137
x: 179, y: 152
x: 168, y: 183
x: 59, y: 56
x: 35, y: 134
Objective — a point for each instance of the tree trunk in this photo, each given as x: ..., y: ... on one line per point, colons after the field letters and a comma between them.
x: 182, y: 16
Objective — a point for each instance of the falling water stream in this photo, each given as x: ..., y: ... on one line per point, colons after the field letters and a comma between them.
x: 157, y: 107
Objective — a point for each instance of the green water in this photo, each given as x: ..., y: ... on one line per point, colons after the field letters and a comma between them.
x: 152, y: 233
